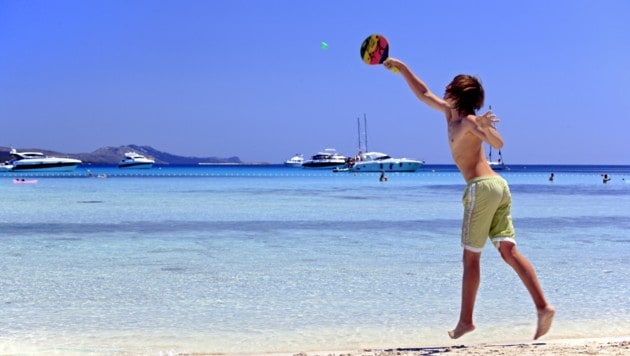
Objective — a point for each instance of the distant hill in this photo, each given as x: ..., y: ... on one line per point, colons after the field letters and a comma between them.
x: 112, y: 155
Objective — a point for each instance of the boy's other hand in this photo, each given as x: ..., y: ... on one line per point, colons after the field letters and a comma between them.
x: 488, y: 119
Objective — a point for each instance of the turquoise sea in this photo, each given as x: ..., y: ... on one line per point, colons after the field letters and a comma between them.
x: 255, y: 259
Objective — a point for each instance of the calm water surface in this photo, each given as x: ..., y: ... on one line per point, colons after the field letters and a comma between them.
x: 272, y: 259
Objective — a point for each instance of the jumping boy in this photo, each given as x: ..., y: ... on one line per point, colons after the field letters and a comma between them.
x: 487, y: 199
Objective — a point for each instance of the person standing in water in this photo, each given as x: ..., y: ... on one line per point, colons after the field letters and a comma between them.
x: 487, y: 199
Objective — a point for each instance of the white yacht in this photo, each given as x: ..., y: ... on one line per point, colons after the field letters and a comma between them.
x: 328, y: 158
x: 295, y: 161
x: 37, y: 161
x: 380, y: 162
x: 135, y: 160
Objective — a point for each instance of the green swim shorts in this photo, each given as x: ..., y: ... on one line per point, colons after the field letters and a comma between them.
x: 487, y: 202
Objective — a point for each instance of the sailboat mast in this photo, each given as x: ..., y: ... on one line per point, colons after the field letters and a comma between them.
x: 365, y: 131
x: 359, y: 131
x: 490, y: 146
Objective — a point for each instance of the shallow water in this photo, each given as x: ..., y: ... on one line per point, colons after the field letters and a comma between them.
x: 272, y: 259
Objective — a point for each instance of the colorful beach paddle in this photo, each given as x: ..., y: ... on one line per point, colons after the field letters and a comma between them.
x: 375, y: 50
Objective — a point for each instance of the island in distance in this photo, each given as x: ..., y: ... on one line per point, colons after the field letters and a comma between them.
x: 112, y: 155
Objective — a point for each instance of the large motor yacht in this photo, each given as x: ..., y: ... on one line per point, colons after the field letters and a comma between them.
x: 37, y: 161
x: 135, y: 160
x: 328, y: 158
x: 380, y: 162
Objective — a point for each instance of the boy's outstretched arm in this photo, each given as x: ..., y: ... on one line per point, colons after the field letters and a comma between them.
x: 417, y: 85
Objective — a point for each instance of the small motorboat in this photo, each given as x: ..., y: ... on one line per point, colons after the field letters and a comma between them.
x: 295, y: 161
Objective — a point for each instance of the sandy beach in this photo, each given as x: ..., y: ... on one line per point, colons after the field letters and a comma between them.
x: 596, y: 346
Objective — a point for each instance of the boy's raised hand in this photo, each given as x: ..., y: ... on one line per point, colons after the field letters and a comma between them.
x: 488, y: 119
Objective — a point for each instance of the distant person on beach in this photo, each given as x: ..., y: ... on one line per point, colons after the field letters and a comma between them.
x: 487, y: 200
x: 551, y: 177
x: 383, y: 177
x: 605, y: 178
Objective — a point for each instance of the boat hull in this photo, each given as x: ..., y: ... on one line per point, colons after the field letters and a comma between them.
x: 135, y: 165
x: 391, y: 165
x: 314, y: 164
x: 45, y: 167
x: 496, y: 166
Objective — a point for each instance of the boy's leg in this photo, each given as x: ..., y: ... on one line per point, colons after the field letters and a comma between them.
x: 526, y: 272
x: 470, y: 285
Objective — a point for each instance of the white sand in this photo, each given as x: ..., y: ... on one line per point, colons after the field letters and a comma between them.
x: 598, y: 346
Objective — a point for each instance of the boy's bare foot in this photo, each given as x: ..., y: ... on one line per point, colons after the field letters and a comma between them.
x: 460, y: 330
x: 545, y: 317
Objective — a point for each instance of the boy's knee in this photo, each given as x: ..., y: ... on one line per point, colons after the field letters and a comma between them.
x: 471, y: 259
x: 507, y: 251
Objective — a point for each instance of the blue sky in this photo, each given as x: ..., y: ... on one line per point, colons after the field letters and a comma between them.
x: 250, y: 79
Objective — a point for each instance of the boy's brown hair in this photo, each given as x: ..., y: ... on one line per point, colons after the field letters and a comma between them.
x: 466, y: 93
